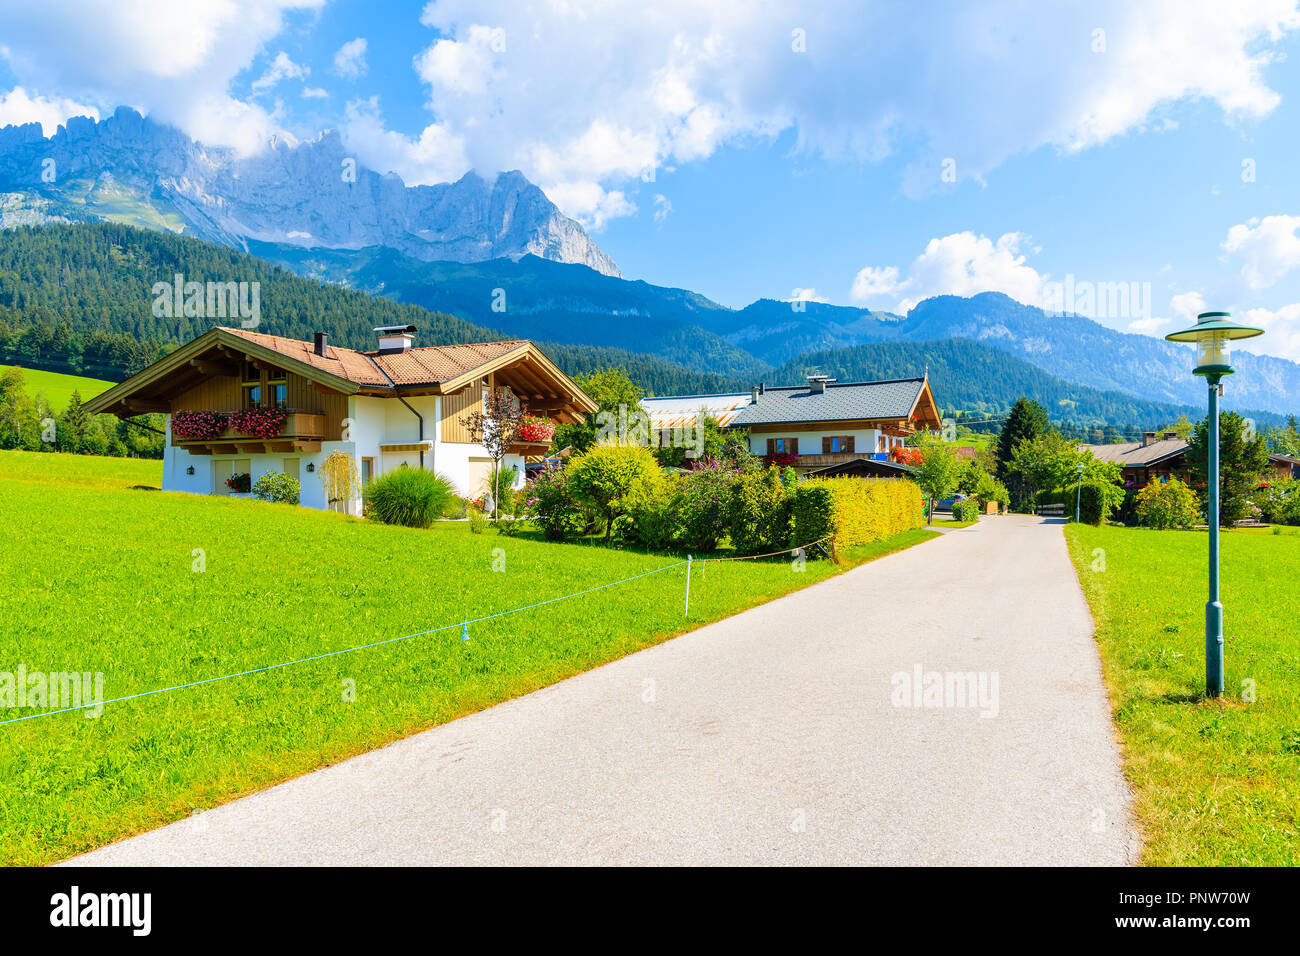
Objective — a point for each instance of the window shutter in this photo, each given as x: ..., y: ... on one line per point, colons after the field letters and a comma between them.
x: 794, y: 446
x: 848, y: 443
x: 771, y: 447
x: 826, y: 445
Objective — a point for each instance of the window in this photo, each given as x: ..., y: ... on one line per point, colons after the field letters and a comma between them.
x: 291, y: 467
x: 277, y: 386
x: 367, y: 471
x: 251, y: 382
x: 227, y: 468
x: 783, y: 446
x: 837, y: 444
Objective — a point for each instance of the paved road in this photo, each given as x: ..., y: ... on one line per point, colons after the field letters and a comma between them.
x: 773, y: 737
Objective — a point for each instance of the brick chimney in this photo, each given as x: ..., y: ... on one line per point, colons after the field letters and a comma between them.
x: 321, y: 343
x: 817, y: 384
x: 1171, y: 436
x: 1148, y: 438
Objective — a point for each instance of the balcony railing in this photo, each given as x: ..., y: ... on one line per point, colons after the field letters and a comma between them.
x: 300, y: 431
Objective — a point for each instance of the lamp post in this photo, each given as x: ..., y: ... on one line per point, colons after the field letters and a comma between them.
x: 1211, y: 333
x: 1078, y: 493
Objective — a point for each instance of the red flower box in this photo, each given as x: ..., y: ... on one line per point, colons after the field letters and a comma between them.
x: 264, y: 423
x: 536, y: 430
x: 197, y: 426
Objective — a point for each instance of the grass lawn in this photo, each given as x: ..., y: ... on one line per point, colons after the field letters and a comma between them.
x: 1216, y: 783
x: 58, y: 387
x: 104, y: 581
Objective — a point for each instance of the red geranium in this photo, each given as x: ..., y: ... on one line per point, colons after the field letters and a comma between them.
x: 264, y: 423
x: 198, y: 426
x: 534, y: 429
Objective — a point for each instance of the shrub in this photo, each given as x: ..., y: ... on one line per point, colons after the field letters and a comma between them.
x: 413, y: 497
x: 965, y: 510
x: 609, y: 478
x: 703, y: 499
x: 1093, y: 507
x: 240, y: 484
x: 653, y: 517
x: 550, y: 502
x: 502, y: 488
x: 854, y: 510
x: 478, y: 521
x: 1169, y: 504
x: 759, y: 514
x: 1279, y: 501
x: 277, y: 486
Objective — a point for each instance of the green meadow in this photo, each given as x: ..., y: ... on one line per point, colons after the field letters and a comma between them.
x: 57, y: 387
x: 153, y: 589
x: 1215, y: 782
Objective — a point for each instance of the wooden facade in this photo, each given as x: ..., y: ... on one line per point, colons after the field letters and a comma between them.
x: 456, y: 406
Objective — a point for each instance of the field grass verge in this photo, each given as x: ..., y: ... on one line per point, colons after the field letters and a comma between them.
x: 1215, y: 782
x: 153, y: 589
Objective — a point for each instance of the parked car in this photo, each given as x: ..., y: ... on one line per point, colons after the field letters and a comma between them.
x: 945, y: 504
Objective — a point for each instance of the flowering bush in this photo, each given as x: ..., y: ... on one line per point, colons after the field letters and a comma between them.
x: 904, y: 455
x: 198, y: 426
x: 1169, y: 504
x: 240, y: 483
x: 536, y: 429
x: 264, y: 423
x: 552, y: 505
x: 780, y: 460
x: 703, y: 503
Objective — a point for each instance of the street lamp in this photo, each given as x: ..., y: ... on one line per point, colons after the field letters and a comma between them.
x: 1211, y: 333
x: 1078, y: 494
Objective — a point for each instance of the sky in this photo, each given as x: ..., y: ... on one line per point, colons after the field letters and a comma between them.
x: 860, y: 153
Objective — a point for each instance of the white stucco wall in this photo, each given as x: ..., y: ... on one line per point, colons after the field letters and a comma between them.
x: 371, y: 422
x: 810, y: 442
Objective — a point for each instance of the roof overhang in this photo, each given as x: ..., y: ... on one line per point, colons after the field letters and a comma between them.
x: 216, y: 351
x: 527, y: 371
x: 925, y: 410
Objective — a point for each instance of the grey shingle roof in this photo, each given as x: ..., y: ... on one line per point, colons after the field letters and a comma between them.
x: 1135, y: 454
x: 840, y: 402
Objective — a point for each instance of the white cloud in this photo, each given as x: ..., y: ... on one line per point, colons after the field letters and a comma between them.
x: 1188, y: 305
x: 176, y: 61
x: 806, y: 295
x: 959, y: 264
x: 590, y: 203
x: 350, y: 60
x: 1269, y: 246
x: 18, y: 107
x: 281, y: 68
x: 314, y: 93
x: 674, y: 82
x: 436, y: 156
x: 663, y: 206
x: 872, y: 281
x: 1281, y: 327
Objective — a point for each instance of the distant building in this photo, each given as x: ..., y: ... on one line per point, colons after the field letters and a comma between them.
x: 819, y: 424
x: 1160, y: 458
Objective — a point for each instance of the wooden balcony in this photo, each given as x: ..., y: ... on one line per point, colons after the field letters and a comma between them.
x: 301, y: 432
x: 834, y: 458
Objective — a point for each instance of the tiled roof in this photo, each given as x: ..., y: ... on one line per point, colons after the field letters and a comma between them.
x: 679, y: 411
x: 1135, y: 454
x: 418, y: 366
x: 839, y: 402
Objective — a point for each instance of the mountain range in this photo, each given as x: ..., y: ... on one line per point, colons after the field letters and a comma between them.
x: 503, y: 259
x: 128, y: 168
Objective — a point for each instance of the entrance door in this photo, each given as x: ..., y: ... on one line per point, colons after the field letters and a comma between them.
x: 480, y: 472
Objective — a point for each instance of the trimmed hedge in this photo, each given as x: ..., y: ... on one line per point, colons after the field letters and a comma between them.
x: 854, y: 510
x: 965, y: 510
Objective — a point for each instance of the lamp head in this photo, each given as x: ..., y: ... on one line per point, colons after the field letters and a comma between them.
x: 1212, y: 333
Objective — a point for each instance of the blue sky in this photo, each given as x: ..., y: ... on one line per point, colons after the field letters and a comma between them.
x: 775, y: 150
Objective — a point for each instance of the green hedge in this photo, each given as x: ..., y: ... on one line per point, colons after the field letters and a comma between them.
x: 853, y: 510
x: 965, y: 510
x: 759, y: 513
